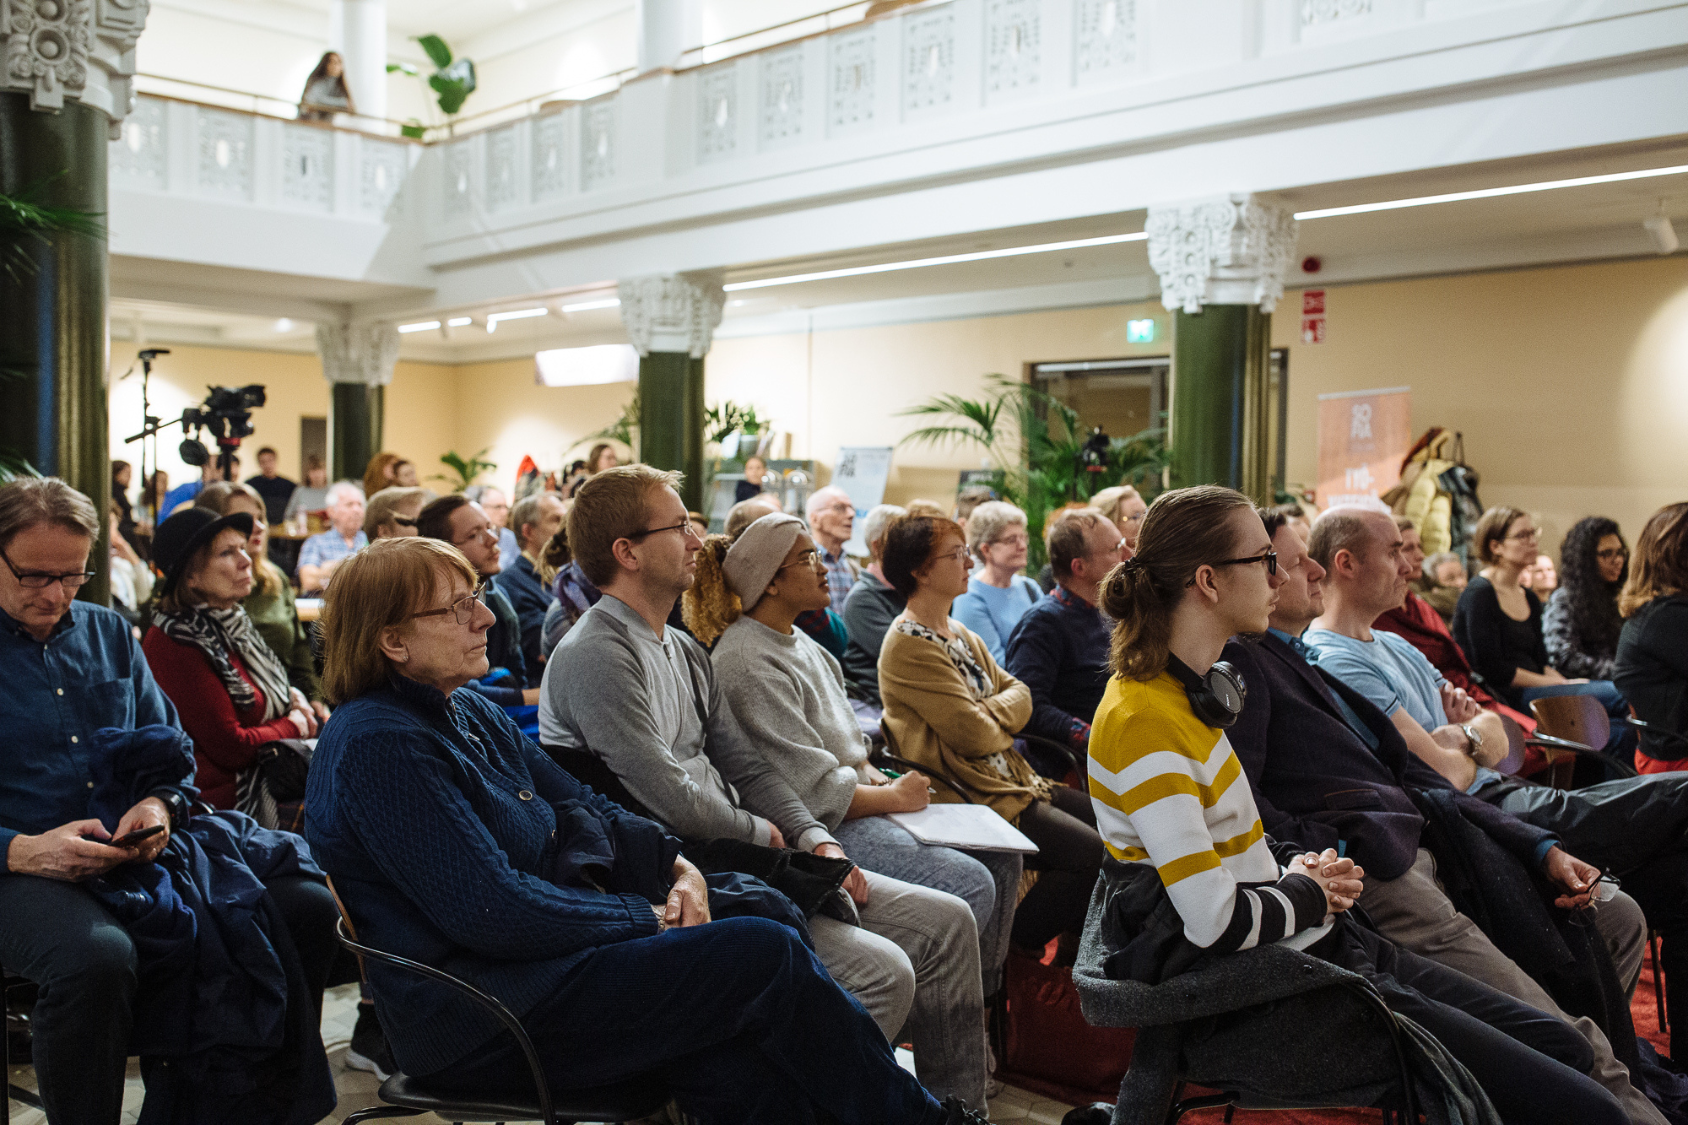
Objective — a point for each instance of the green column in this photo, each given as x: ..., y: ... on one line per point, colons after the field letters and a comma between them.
x: 671, y: 418
x: 1220, y: 430
x: 354, y: 428
x: 53, y: 320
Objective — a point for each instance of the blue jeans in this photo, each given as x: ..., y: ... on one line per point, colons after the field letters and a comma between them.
x: 988, y: 882
x: 1623, y: 739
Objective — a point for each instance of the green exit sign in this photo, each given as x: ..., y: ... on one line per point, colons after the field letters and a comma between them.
x: 1140, y: 331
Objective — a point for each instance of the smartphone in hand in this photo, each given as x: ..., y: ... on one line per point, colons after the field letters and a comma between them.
x: 129, y: 840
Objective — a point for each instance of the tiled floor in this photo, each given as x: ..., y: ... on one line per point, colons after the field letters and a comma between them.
x: 357, y: 1089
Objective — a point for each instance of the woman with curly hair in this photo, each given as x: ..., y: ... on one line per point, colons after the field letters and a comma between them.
x: 1581, y: 621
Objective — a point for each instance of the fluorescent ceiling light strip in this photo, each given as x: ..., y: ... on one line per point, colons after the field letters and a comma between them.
x: 1493, y: 193
x: 459, y: 321
x: 588, y: 306
x: 946, y: 260
x: 419, y: 326
x: 519, y: 314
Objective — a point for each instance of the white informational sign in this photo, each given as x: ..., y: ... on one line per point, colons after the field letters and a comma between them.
x: 861, y: 472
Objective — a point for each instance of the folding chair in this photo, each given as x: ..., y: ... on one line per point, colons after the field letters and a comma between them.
x: 9, y: 982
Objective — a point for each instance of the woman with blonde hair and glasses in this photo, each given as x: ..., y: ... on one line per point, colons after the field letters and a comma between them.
x: 1124, y: 505
x: 998, y: 595
x: 1498, y: 623
x: 454, y: 841
x: 271, y: 604
x: 1652, y: 664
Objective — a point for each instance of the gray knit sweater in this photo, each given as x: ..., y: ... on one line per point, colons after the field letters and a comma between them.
x: 653, y: 710
x: 787, y: 692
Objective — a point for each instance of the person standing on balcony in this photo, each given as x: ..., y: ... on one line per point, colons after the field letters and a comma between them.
x: 326, y: 92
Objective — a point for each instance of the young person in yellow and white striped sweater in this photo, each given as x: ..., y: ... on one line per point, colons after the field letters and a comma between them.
x: 1170, y: 795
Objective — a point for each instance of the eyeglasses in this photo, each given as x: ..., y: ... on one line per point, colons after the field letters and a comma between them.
x: 959, y: 553
x: 403, y: 522
x: 470, y: 538
x: 463, y: 609
x: 686, y: 528
x: 1012, y: 541
x: 1270, y: 558
x: 1529, y: 536
x: 36, y: 580
x: 1138, y: 518
x: 1612, y: 553
x: 810, y: 559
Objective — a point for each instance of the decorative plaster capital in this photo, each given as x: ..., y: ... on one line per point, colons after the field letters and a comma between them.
x: 672, y: 312
x: 358, y: 353
x: 81, y: 49
x: 1226, y: 250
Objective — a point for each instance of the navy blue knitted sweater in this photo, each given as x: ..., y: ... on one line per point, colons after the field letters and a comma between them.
x: 454, y: 841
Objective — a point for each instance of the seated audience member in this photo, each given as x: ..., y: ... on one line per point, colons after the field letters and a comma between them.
x: 155, y: 488
x: 1419, y: 624
x: 404, y: 474
x: 392, y: 512
x: 1059, y: 650
x: 930, y: 508
x: 787, y: 694
x: 122, y: 473
x: 954, y: 712
x: 183, y: 494
x: 699, y: 524
x: 1541, y: 578
x: 131, y: 578
x: 1162, y: 769
x: 320, y: 554
x: 75, y: 675
x: 1498, y: 624
x: 755, y: 473
x: 497, y: 508
x: 275, y: 489
x: 1580, y: 624
x: 228, y: 685
x: 869, y: 610
x: 966, y: 500
x: 1301, y: 741
x: 825, y: 625
x: 998, y: 595
x: 378, y: 474
x: 1124, y: 507
x: 1046, y: 576
x: 422, y: 808
x: 832, y: 515
x: 571, y: 591
x: 457, y: 520
x: 311, y: 496
x: 1652, y: 664
x: 528, y: 583
x: 600, y: 458
x: 641, y: 698
x: 1441, y: 583
x: 270, y: 605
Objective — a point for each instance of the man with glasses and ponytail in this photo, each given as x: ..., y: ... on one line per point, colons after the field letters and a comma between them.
x: 1181, y: 824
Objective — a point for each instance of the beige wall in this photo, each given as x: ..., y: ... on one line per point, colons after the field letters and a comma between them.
x: 1570, y: 384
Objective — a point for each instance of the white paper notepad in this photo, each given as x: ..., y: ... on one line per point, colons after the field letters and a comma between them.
x: 964, y: 826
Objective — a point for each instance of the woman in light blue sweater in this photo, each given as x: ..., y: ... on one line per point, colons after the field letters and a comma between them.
x: 998, y: 595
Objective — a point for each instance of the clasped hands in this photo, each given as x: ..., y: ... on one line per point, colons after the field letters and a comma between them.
x: 1341, y: 879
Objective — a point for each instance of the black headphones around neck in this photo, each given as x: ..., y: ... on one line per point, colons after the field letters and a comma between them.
x: 1217, y: 698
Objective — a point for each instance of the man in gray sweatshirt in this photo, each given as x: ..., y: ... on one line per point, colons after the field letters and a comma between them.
x: 643, y: 698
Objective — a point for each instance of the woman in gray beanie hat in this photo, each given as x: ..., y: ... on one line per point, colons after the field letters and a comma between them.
x: 788, y: 695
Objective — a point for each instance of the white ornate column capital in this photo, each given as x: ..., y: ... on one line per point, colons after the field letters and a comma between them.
x: 358, y: 353
x: 80, y: 49
x: 672, y: 312
x: 1224, y: 250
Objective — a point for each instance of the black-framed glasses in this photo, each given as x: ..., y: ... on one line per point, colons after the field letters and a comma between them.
x: 1612, y: 553
x: 37, y: 580
x: 810, y: 558
x: 463, y: 609
x: 1270, y: 558
x: 684, y: 528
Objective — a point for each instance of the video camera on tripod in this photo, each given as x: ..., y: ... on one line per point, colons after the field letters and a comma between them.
x: 226, y: 414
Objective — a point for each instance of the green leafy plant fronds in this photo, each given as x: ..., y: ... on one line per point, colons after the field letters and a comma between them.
x: 464, y: 471
x: 27, y: 224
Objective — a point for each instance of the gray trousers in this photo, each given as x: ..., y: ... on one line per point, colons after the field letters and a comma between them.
x: 1414, y: 912
x: 913, y: 963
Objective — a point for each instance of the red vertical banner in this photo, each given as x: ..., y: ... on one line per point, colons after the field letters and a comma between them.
x: 1362, y: 437
x: 1312, y: 316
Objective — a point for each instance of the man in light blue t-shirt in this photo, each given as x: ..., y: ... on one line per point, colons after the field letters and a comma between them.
x: 1366, y: 575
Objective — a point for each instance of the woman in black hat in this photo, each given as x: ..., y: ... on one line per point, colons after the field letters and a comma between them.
x: 230, y: 688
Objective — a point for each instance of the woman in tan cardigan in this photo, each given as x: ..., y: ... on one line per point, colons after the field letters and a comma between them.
x: 953, y: 711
